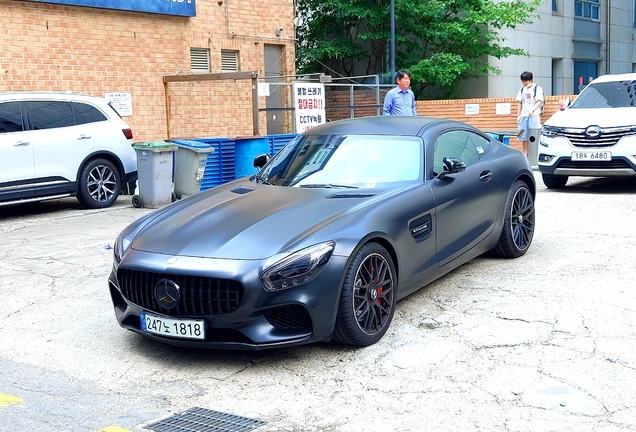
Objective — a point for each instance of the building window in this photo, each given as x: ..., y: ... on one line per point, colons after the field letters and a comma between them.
x: 589, y: 9
x: 584, y: 73
x: 199, y: 60
x: 229, y: 61
x: 555, y: 6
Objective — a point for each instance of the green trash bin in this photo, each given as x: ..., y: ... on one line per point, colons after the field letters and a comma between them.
x: 154, y: 170
x: 189, y: 166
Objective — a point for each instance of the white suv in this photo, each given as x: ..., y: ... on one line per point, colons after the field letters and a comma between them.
x: 595, y: 136
x: 55, y: 145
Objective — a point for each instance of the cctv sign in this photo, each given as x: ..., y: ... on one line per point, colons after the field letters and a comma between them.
x: 309, y: 105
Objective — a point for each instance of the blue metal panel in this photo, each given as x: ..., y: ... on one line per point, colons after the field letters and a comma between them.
x: 220, y: 165
x: 227, y: 161
x: 166, y: 7
x: 213, y: 174
x: 277, y: 142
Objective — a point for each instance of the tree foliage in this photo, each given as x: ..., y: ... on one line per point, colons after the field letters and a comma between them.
x: 441, y: 42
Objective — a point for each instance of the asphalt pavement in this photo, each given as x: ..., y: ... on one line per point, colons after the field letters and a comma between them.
x: 541, y: 343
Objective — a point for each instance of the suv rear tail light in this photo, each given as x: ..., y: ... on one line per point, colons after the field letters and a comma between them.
x: 128, y: 133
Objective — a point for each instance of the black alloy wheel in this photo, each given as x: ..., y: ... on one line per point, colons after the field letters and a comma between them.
x: 99, y: 184
x: 518, y: 228
x: 368, y: 297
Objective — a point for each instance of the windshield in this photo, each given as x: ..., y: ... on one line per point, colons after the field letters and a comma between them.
x: 617, y: 94
x: 366, y: 161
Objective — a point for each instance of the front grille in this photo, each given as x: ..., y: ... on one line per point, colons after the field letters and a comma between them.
x: 289, y: 318
x: 608, y: 137
x: 198, y: 295
x: 599, y: 165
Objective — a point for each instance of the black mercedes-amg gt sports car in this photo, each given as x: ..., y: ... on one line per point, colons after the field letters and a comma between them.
x: 345, y: 220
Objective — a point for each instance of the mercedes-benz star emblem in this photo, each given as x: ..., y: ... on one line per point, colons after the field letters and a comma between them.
x: 167, y: 293
x: 593, y: 131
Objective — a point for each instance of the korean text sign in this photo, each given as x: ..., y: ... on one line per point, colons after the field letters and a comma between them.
x: 309, y: 105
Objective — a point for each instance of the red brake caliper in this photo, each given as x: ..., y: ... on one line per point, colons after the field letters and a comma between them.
x: 377, y: 280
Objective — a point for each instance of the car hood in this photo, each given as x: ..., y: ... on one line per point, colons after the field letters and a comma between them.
x: 584, y: 117
x: 247, y: 221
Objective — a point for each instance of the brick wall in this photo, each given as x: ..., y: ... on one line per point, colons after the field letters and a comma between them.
x: 487, y: 119
x: 95, y: 51
x: 454, y: 109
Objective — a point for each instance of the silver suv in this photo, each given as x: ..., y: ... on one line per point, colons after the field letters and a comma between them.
x: 55, y: 145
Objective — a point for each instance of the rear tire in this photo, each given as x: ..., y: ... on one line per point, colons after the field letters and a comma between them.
x: 552, y: 181
x: 368, y: 297
x: 99, y: 184
x: 518, y: 228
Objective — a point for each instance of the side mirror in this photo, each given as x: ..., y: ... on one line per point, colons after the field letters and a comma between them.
x: 452, y: 165
x: 261, y: 160
x: 564, y: 103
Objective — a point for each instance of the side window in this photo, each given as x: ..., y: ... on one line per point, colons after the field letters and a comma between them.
x: 10, y: 117
x: 459, y: 144
x: 481, y: 144
x: 86, y: 113
x: 49, y: 114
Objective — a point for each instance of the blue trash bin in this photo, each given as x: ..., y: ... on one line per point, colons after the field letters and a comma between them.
x: 245, y: 150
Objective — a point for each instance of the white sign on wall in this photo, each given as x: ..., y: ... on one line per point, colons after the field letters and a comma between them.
x: 472, y: 109
x: 263, y: 89
x: 502, y: 108
x: 309, y: 104
x: 122, y: 102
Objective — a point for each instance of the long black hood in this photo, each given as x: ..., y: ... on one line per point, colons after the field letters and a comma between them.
x: 243, y: 220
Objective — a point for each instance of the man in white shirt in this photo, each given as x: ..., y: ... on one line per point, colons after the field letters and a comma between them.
x: 530, y: 98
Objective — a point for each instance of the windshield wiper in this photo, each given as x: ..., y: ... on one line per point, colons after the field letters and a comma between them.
x: 327, y: 186
x: 263, y: 180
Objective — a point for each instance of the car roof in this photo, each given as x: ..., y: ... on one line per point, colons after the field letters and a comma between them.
x: 381, y: 125
x: 616, y: 77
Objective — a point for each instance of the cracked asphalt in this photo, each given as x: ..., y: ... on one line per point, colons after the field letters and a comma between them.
x: 541, y: 343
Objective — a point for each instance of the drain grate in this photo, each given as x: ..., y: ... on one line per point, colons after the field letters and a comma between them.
x: 204, y: 420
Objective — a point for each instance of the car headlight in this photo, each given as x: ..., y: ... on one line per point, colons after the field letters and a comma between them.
x: 550, y: 131
x: 298, y: 268
x: 121, y: 245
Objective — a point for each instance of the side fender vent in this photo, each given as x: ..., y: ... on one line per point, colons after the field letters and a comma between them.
x: 421, y: 227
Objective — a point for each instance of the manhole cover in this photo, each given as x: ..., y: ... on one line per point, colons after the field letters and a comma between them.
x: 204, y: 420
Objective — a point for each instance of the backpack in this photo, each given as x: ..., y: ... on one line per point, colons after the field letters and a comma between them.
x: 534, y: 95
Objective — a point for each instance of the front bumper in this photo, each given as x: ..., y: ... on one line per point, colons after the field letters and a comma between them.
x: 554, y: 156
x: 248, y: 318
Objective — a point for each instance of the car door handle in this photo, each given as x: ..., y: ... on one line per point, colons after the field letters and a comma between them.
x: 21, y: 144
x: 485, y: 176
x: 83, y: 137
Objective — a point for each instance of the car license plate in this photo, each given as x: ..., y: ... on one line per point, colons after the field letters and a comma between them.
x: 178, y: 328
x: 592, y: 156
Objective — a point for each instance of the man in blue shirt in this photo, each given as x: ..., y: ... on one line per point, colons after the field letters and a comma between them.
x: 400, y: 100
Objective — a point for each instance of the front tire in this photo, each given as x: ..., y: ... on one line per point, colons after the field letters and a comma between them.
x: 552, y: 181
x: 368, y: 297
x: 99, y: 184
x: 518, y: 230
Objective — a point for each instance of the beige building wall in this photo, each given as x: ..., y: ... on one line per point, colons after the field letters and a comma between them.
x: 54, y: 47
x: 549, y: 40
